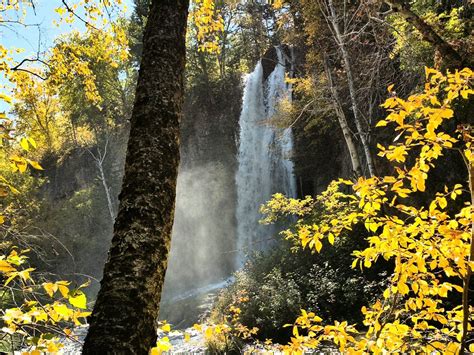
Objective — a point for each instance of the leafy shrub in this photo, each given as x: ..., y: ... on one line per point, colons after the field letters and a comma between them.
x: 279, y: 283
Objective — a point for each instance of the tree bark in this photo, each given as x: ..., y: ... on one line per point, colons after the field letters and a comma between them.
x: 124, y: 317
x: 466, y: 306
x: 352, y: 92
x: 341, y: 117
x: 452, y: 58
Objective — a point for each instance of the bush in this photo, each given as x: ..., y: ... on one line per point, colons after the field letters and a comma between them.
x: 279, y: 283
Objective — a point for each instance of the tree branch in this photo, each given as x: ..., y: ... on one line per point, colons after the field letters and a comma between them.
x: 451, y: 56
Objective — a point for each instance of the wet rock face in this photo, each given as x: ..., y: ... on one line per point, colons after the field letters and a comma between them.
x: 270, y: 59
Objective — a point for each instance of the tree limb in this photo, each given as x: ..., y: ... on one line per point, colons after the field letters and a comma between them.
x: 451, y: 56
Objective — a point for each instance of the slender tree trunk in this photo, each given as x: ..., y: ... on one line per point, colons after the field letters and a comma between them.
x: 102, y: 178
x: 352, y: 92
x: 467, y: 279
x: 451, y: 57
x: 341, y: 117
x: 124, y: 317
x: 99, y: 162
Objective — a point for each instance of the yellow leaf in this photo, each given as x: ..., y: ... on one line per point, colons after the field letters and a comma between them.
x: 50, y: 288
x: 442, y: 202
x: 24, y: 144
x: 52, y: 348
x: 5, y: 98
x: 64, y: 290
x: 318, y: 245
x: 78, y: 300
x: 354, y: 263
x: 403, y: 288
x: 6, y: 267
x: 62, y: 310
x: 61, y: 11
x: 32, y: 142
x: 164, y: 344
x: 187, y: 337
x: 35, y: 164
x: 331, y: 238
x: 166, y: 328
x: 438, y: 345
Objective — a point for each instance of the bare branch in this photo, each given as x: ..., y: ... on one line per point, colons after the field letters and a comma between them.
x: 18, y: 67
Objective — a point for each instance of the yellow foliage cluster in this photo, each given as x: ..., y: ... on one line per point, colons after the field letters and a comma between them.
x: 307, y: 234
x: 429, y: 245
x: 93, y: 13
x: 15, y: 160
x: 29, y: 313
x: 226, y: 335
x: 66, y: 306
x: 221, y: 336
x: 107, y: 43
x: 72, y: 57
x: 209, y: 24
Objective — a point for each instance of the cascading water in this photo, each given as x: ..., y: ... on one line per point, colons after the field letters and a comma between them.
x: 203, y: 250
x: 264, y: 166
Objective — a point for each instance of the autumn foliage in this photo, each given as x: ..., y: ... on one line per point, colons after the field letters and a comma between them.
x: 430, y: 245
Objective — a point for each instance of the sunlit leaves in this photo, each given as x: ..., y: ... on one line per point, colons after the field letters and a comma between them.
x: 78, y: 299
x: 428, y: 244
x: 209, y: 24
x: 74, y: 56
x: 281, y: 206
x: 311, y: 235
x: 6, y: 267
x: 33, y: 314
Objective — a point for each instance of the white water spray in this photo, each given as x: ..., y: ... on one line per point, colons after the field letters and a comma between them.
x: 264, y: 166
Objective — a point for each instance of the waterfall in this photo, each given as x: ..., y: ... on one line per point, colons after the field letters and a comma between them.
x: 212, y: 220
x: 264, y: 166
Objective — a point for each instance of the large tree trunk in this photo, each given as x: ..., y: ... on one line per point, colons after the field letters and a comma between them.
x: 124, y: 317
x: 452, y: 58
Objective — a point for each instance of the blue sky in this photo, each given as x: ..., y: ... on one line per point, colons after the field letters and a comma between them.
x: 32, y: 38
x: 44, y: 15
